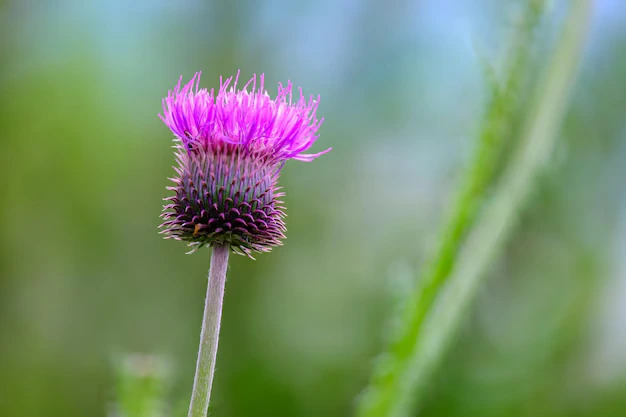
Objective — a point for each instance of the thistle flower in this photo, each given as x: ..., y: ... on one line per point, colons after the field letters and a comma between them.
x: 230, y: 149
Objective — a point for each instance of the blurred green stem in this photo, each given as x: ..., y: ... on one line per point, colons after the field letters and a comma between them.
x: 141, y: 386
x: 496, y: 128
x: 498, y: 219
x: 209, y: 336
x: 431, y: 323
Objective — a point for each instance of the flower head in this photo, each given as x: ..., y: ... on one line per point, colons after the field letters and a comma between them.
x: 230, y: 148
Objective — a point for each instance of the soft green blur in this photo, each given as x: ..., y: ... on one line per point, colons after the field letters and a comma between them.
x: 85, y: 278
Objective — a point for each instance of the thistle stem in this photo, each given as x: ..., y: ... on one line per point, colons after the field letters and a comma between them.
x: 205, y: 367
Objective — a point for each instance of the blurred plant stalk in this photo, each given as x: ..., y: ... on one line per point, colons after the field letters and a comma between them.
x: 478, y: 226
x: 141, y: 386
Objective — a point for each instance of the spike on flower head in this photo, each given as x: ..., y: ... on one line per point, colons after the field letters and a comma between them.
x: 230, y: 148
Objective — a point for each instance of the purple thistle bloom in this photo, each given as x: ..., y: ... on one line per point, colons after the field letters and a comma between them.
x: 230, y: 148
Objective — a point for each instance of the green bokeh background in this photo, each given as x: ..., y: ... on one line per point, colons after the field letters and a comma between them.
x: 84, y: 276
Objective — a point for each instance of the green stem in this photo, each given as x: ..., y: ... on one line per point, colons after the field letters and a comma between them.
x: 495, y: 130
x: 498, y: 219
x: 209, y: 336
x: 431, y: 325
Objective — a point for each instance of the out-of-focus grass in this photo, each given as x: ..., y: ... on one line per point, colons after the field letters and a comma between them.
x: 485, y: 239
x: 141, y: 388
x: 387, y: 390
